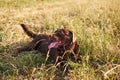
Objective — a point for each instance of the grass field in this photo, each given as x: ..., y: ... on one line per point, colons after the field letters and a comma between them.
x: 96, y: 24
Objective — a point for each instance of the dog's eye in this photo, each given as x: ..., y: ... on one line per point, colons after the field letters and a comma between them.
x: 58, y: 34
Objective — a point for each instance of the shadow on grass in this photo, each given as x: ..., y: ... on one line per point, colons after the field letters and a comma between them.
x: 27, y: 65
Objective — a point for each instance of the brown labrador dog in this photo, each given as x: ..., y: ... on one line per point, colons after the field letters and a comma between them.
x: 62, y: 42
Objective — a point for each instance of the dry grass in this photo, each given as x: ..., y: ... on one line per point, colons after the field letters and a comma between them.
x: 95, y: 23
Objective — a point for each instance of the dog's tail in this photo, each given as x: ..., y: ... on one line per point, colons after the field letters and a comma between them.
x: 28, y: 32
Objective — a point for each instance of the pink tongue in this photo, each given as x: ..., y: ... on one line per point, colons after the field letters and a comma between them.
x: 53, y: 44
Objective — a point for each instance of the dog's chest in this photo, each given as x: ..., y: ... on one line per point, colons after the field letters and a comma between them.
x: 43, y: 46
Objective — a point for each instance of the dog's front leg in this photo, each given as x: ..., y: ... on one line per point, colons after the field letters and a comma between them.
x: 30, y: 46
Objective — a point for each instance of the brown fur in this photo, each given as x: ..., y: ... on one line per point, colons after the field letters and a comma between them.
x: 41, y: 42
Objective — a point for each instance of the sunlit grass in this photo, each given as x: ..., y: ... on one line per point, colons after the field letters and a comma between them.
x: 95, y: 23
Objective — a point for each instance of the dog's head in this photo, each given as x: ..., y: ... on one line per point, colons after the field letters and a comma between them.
x: 62, y: 37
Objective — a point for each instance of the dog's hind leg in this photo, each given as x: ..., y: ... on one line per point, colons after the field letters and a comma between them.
x: 28, y: 32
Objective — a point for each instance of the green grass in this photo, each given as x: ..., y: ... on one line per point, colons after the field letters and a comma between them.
x: 96, y: 25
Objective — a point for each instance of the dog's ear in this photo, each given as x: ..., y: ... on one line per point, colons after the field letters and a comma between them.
x: 73, y: 38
